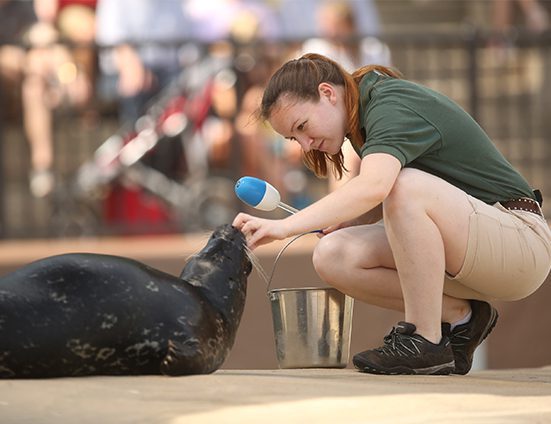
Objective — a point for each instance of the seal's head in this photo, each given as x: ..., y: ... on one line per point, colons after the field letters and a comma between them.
x: 220, y: 271
x: 232, y: 241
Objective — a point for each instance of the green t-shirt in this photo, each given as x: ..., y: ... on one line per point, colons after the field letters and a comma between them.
x: 426, y: 130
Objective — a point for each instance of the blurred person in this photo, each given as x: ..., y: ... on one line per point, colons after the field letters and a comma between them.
x: 143, y: 70
x: 16, y: 19
x: 298, y: 20
x: 505, y: 17
x: 342, y: 40
x: 145, y: 46
x: 139, y: 52
x: 141, y: 38
x: 242, y: 23
x: 49, y: 78
x: 54, y: 77
x: 76, y: 21
x: 437, y: 224
x: 536, y: 17
x: 262, y: 153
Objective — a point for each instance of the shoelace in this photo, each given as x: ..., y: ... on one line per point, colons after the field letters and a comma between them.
x: 395, y: 343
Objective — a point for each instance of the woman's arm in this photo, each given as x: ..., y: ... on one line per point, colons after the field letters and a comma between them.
x: 361, y: 194
x: 370, y: 217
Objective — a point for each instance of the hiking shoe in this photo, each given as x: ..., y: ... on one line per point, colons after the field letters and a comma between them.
x: 465, y: 338
x: 404, y: 352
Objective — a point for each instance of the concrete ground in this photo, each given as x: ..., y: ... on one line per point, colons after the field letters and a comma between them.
x: 249, y: 390
x: 283, y: 396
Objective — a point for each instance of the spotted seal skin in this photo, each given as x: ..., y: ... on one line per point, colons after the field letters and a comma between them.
x: 89, y: 314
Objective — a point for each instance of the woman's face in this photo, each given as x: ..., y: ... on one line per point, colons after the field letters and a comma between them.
x: 319, y: 125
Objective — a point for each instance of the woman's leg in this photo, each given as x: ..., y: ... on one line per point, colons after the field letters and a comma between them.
x: 358, y: 261
x: 401, y: 265
x: 427, y: 224
x: 37, y: 113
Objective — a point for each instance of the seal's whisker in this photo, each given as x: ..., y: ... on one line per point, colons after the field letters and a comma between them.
x: 256, y: 264
x: 204, y: 238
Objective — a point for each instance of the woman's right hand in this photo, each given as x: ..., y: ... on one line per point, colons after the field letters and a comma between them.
x: 259, y: 231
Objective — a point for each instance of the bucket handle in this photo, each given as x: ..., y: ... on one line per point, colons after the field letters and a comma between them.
x: 281, y: 252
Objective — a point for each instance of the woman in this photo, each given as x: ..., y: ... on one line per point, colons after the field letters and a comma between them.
x: 460, y: 226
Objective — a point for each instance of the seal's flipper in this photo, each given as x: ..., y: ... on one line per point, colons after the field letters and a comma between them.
x: 185, y: 358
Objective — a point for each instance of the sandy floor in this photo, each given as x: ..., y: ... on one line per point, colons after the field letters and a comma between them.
x: 283, y: 396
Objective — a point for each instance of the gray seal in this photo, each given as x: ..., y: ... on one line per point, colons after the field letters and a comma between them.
x: 84, y: 314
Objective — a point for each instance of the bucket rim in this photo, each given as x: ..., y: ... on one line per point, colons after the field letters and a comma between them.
x: 304, y: 289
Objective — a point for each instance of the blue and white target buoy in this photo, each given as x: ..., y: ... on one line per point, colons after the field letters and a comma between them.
x: 260, y: 195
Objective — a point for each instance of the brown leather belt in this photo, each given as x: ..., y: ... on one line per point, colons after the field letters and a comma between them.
x: 523, y: 204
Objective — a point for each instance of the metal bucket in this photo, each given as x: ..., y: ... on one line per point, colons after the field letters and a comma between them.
x: 312, y: 325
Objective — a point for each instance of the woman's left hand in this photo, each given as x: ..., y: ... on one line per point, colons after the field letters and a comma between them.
x: 260, y: 231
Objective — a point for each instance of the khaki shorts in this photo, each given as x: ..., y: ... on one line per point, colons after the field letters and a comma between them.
x: 508, y: 255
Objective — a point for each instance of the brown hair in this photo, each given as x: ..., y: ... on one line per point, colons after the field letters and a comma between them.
x: 300, y: 79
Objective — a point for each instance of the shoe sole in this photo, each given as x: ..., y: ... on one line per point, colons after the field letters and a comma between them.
x: 442, y: 369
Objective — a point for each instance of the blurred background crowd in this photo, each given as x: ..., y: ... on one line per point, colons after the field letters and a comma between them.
x: 138, y: 116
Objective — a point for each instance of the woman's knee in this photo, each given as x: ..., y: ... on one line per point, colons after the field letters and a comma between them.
x: 329, y: 252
